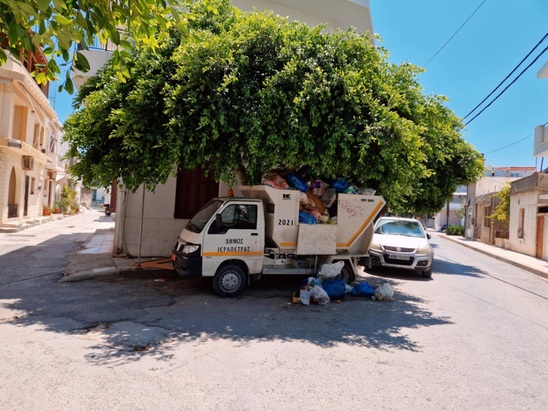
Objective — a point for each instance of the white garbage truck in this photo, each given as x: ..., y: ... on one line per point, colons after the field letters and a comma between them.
x: 233, y: 239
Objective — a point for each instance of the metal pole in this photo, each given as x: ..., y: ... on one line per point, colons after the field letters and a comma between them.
x: 447, y: 223
x: 141, y: 229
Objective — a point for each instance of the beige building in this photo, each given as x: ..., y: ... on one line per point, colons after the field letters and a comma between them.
x: 30, y: 135
x: 528, y: 228
x: 482, y: 201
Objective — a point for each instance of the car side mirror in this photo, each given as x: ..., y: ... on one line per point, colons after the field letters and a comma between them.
x: 428, y: 236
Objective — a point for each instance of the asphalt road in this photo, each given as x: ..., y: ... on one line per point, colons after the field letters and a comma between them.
x: 473, y: 337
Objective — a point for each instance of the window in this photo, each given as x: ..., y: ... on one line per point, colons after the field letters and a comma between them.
x: 32, y: 185
x: 486, y: 215
x: 36, y: 136
x: 521, y: 222
x: 515, y: 175
x: 236, y: 217
x: 193, y: 191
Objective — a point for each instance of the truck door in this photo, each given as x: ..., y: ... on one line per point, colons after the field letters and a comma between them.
x: 235, y: 234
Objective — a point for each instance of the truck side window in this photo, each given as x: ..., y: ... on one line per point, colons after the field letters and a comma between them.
x: 236, y: 216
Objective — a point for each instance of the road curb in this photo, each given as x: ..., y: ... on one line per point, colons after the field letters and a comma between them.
x: 525, y: 267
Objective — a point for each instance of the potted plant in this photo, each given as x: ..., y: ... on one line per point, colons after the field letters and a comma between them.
x: 46, y: 210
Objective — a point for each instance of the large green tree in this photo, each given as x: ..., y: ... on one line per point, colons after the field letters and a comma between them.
x: 258, y: 92
x: 56, y: 26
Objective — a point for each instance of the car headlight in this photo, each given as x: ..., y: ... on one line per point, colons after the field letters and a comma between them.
x: 424, y: 249
x: 187, y: 249
x: 375, y: 245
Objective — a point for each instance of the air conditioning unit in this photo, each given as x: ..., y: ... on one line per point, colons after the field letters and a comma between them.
x: 27, y: 163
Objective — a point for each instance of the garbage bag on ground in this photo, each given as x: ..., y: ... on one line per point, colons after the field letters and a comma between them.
x: 384, y: 293
x: 320, y: 295
x: 335, y: 288
x: 331, y: 270
x: 363, y: 289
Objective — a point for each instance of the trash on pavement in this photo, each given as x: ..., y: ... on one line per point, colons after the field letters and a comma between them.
x: 384, y: 293
x: 363, y: 289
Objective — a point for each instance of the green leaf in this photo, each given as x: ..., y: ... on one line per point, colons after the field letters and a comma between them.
x: 59, y: 18
x: 69, y: 85
x: 43, y: 5
x: 81, y: 62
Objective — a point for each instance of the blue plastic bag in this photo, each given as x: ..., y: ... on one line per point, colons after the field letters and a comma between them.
x: 296, y: 182
x: 306, y: 218
x: 335, y: 288
x: 362, y: 290
x: 340, y: 185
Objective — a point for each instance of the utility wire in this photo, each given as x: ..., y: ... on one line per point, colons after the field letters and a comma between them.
x: 506, y: 78
x: 508, y: 86
x: 511, y: 144
x: 454, y: 34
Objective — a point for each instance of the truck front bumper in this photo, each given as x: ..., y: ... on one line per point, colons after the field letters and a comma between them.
x: 186, y: 263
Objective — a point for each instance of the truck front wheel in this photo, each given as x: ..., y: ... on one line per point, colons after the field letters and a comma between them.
x: 229, y: 281
x: 348, y: 274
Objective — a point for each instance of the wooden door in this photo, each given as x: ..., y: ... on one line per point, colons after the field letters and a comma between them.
x: 540, y: 235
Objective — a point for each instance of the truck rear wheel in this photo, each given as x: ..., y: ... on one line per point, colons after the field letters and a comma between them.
x: 229, y: 281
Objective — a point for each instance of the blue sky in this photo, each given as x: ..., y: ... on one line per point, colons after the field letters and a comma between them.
x: 489, y: 46
x: 495, y: 39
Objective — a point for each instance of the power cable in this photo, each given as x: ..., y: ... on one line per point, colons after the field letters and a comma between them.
x: 508, y: 86
x: 454, y: 34
x: 506, y: 78
x: 511, y: 144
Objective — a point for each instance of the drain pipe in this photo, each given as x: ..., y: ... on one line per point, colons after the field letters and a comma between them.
x: 141, y: 229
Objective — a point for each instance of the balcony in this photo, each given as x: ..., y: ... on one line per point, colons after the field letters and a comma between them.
x: 540, y: 148
x: 22, y: 148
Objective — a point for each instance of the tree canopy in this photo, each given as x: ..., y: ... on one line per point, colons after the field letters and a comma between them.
x: 57, y: 26
x: 259, y: 92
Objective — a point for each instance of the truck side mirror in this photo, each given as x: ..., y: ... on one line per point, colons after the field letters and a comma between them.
x: 218, y: 222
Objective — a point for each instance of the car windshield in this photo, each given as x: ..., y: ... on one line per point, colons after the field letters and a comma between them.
x: 399, y: 227
x: 200, y: 219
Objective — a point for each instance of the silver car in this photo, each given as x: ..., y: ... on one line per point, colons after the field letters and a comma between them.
x: 401, y: 243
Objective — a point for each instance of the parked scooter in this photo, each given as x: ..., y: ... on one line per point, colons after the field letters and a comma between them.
x: 107, y: 209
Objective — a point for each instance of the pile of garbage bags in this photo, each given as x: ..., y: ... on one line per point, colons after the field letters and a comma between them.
x: 329, y: 285
x: 317, y: 197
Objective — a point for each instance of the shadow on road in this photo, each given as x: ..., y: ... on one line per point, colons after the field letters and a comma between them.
x: 128, y: 318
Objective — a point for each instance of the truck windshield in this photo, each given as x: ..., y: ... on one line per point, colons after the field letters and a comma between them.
x: 200, y: 219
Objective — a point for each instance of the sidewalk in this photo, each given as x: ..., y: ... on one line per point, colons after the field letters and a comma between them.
x: 96, y: 259
x: 523, y: 261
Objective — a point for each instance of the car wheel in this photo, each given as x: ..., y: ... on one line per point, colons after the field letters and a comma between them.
x: 229, y: 281
x: 427, y: 273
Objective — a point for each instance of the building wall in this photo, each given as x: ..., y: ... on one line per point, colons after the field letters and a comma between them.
x: 334, y: 13
x: 27, y: 124
x: 525, y: 243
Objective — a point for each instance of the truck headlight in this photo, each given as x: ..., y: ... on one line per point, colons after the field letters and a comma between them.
x: 188, y: 249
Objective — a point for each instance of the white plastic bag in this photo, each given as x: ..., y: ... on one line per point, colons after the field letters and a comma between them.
x: 384, y: 293
x: 331, y: 270
x: 320, y: 295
